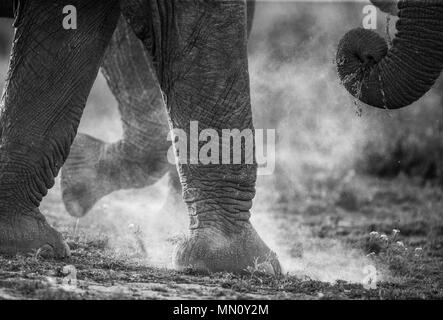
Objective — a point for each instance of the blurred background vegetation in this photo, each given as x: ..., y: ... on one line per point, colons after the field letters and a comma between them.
x: 320, y: 128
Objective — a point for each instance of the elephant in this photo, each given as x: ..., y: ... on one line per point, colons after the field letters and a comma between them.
x: 189, y: 56
x: 95, y: 168
x: 395, y: 77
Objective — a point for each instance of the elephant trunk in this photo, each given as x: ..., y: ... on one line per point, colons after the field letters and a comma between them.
x: 396, y: 77
x: 388, y: 6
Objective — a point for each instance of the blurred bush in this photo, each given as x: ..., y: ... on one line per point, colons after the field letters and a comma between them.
x: 408, y: 141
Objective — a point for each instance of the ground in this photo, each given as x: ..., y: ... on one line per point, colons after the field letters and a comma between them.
x: 322, y: 236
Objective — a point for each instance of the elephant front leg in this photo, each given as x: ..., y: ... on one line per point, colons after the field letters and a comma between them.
x: 199, y: 50
x: 50, y: 76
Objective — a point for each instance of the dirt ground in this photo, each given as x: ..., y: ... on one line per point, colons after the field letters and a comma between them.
x: 323, y: 238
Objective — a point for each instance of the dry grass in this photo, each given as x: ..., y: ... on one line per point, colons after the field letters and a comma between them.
x: 104, y: 273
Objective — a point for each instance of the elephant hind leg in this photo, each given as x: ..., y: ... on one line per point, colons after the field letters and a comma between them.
x: 80, y: 190
x: 96, y: 168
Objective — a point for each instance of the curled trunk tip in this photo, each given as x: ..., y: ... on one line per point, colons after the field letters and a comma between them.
x: 397, y: 77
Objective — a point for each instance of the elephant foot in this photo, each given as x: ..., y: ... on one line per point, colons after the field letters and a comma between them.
x: 210, y: 250
x: 30, y: 233
x: 81, y: 184
x: 94, y: 169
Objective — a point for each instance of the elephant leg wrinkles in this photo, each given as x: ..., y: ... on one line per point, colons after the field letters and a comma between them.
x: 51, y: 73
x: 200, y: 57
x: 95, y: 168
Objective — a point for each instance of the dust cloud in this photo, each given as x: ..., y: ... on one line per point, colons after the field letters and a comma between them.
x: 320, y: 134
x: 321, y: 130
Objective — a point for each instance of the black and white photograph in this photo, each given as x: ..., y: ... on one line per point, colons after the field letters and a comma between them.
x: 238, y: 151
